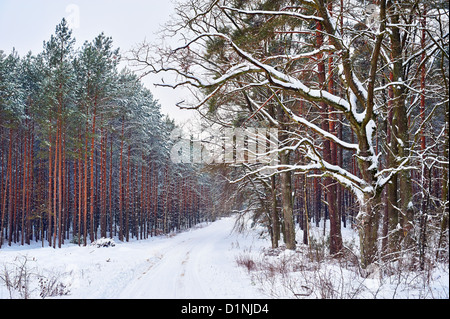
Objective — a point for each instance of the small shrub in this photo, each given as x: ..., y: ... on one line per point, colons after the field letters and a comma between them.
x: 16, y: 277
x: 77, y: 241
x: 52, y: 287
x: 247, y: 262
x: 104, y: 242
x: 318, y: 249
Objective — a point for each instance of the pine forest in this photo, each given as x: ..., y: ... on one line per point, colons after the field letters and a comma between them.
x: 84, y: 150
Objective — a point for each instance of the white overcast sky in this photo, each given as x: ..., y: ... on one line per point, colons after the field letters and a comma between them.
x: 25, y: 24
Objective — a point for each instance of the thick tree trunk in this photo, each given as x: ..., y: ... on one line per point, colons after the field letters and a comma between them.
x: 368, y: 219
x: 401, y: 124
x: 286, y: 188
x: 370, y: 208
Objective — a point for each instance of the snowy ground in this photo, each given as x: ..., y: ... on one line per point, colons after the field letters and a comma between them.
x: 199, y: 263
x: 209, y: 261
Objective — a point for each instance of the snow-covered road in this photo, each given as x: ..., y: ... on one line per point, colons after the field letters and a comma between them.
x: 199, y: 263
x: 196, y: 264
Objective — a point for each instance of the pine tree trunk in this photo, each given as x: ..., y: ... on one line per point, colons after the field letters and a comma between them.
x: 110, y: 190
x: 274, y: 202
x: 7, y: 183
x: 60, y: 185
x: 11, y: 188
x: 121, y: 185
x: 85, y: 197
x: 286, y: 195
x: 24, y: 189
x: 335, y: 221
x: 127, y: 197
x: 30, y: 187
x: 49, y: 207
x: 92, y: 196
x: 103, y: 182
x: 2, y: 194
x: 274, y: 215
x: 443, y: 232
x: 80, y: 190
x: 329, y: 152
x: 55, y: 189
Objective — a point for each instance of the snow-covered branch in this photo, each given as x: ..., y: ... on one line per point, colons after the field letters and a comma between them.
x: 281, y: 12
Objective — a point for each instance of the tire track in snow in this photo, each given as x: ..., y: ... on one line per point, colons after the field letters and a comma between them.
x: 164, y: 279
x: 180, y: 272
